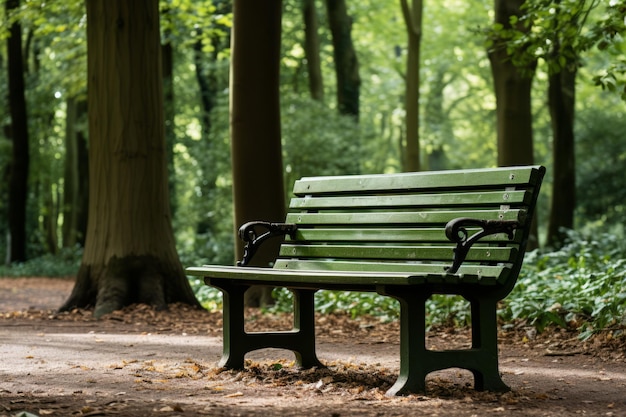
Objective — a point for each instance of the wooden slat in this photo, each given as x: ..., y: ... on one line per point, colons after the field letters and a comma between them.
x: 394, y: 218
x: 408, y: 253
x: 477, y: 199
x: 322, y: 279
x: 381, y: 234
x: 370, y: 266
x: 431, y: 180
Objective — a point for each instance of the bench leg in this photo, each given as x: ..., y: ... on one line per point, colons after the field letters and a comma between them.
x: 485, y: 343
x: 304, y: 325
x: 237, y: 342
x: 235, y: 345
x: 414, y: 364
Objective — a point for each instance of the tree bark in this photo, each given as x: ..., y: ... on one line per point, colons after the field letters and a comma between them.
x: 167, y: 53
x: 258, y: 190
x: 129, y: 256
x: 413, y: 22
x: 513, y: 102
x: 513, y: 96
x: 70, y: 176
x: 18, y: 180
x: 312, y: 50
x: 346, y: 62
x: 561, y: 100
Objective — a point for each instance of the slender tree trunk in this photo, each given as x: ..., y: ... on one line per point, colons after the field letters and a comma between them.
x: 561, y: 100
x: 258, y: 189
x: 82, y: 209
x: 312, y: 49
x: 129, y: 256
x: 413, y: 21
x: 346, y: 62
x: 513, y: 101
x: 513, y: 96
x: 18, y: 181
x: 70, y: 177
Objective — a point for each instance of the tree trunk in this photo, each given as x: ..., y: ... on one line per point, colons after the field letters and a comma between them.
x: 129, y: 256
x: 312, y: 49
x: 82, y: 210
x: 413, y: 21
x: 70, y: 177
x: 18, y: 181
x: 258, y: 190
x: 561, y: 100
x: 513, y: 102
x: 513, y: 96
x: 167, y: 53
x: 346, y: 63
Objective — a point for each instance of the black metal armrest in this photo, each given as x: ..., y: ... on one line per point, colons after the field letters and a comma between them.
x: 456, y: 231
x: 255, y: 233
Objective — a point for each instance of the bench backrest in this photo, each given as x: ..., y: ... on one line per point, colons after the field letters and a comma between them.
x: 396, y: 222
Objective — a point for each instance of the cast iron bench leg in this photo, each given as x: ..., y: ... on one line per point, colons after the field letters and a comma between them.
x: 304, y: 325
x: 414, y: 364
x: 485, y: 341
x: 235, y: 342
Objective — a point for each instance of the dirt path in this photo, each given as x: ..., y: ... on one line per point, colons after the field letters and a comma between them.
x: 143, y: 363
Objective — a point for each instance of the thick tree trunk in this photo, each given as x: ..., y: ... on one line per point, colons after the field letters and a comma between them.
x: 312, y: 49
x: 346, y: 62
x: 167, y: 53
x: 561, y: 100
x: 413, y: 22
x: 18, y: 180
x: 129, y: 256
x: 258, y: 190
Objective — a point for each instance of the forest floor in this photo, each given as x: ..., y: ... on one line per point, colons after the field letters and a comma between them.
x: 139, y: 362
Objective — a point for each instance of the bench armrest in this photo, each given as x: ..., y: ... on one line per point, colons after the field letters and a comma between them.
x: 255, y: 233
x: 456, y: 231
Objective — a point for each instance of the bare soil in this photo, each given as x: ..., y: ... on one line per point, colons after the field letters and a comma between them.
x: 139, y: 362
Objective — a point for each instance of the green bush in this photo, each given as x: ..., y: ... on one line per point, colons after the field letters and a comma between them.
x: 582, y: 285
x: 63, y: 264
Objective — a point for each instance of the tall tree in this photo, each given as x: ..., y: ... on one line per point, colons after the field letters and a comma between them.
x: 345, y: 58
x: 312, y: 49
x: 413, y: 22
x: 561, y: 101
x: 18, y: 180
x: 258, y: 189
x: 129, y: 254
x: 513, y: 92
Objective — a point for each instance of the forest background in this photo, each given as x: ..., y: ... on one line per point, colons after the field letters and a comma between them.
x: 320, y: 135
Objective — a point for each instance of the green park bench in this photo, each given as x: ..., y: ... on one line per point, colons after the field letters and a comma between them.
x: 407, y: 236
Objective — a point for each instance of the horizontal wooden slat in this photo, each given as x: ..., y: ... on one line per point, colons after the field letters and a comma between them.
x: 382, y: 234
x: 477, y: 199
x: 430, y: 180
x: 323, y: 279
x: 393, y: 218
x: 408, y: 253
x: 370, y: 266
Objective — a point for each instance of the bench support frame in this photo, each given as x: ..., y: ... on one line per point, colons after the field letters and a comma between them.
x: 237, y: 342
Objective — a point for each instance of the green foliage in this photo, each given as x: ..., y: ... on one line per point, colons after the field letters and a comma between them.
x: 63, y: 264
x: 581, y: 285
x: 601, y: 195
